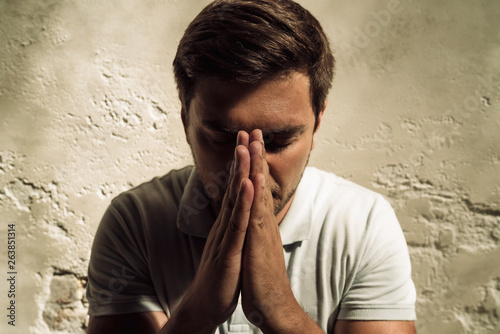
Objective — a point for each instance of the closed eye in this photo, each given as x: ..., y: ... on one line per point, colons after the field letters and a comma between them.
x: 223, y: 140
x: 277, y: 147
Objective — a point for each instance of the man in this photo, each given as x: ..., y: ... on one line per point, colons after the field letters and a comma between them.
x: 250, y: 240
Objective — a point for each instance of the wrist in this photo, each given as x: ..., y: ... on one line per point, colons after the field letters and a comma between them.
x: 285, y: 318
x: 290, y: 319
x: 189, y: 318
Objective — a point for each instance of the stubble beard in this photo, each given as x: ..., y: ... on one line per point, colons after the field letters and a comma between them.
x: 216, y: 201
x: 280, y: 205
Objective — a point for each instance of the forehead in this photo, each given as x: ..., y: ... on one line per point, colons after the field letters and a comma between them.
x: 283, y: 101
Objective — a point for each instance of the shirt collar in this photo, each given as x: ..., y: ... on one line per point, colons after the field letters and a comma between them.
x: 195, y: 216
x: 296, y: 226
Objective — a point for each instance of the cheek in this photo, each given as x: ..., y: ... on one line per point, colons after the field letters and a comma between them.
x: 286, y: 167
x: 211, y: 159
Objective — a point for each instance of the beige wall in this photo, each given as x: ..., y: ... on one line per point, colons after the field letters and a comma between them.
x: 88, y: 108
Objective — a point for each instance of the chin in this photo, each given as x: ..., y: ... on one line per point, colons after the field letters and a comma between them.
x: 278, y: 205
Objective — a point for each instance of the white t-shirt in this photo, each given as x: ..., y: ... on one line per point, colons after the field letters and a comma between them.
x: 345, y: 252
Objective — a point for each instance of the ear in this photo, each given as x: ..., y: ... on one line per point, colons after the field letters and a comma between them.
x: 318, y: 125
x: 185, y: 123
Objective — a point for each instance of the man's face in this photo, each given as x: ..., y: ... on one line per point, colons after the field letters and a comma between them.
x: 281, y: 108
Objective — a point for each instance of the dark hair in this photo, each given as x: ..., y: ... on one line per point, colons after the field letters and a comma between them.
x: 250, y: 41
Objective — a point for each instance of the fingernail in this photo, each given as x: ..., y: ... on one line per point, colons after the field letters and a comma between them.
x: 263, y: 180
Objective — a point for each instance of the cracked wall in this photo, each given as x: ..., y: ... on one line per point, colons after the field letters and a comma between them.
x: 88, y: 109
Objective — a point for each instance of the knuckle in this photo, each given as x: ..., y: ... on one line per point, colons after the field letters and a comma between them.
x: 233, y: 225
x: 259, y: 222
x: 230, y: 203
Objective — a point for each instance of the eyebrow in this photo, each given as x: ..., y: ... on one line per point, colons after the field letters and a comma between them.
x: 216, y: 126
x: 284, y: 131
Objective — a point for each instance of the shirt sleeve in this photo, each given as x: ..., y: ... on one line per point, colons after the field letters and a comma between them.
x: 382, y: 288
x: 119, y: 277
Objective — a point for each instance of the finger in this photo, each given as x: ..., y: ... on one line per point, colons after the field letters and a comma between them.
x: 261, y: 166
x: 234, y: 236
x: 256, y: 223
x: 242, y: 138
x: 256, y: 159
x: 240, y: 168
x: 241, y: 171
x: 215, y: 235
x: 256, y: 135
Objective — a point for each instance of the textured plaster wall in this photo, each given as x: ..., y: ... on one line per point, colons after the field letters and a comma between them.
x: 88, y: 108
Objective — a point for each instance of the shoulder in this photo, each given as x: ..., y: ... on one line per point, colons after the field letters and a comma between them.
x: 144, y: 209
x: 347, y: 215
x: 159, y: 191
x: 334, y: 193
x: 358, y: 231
